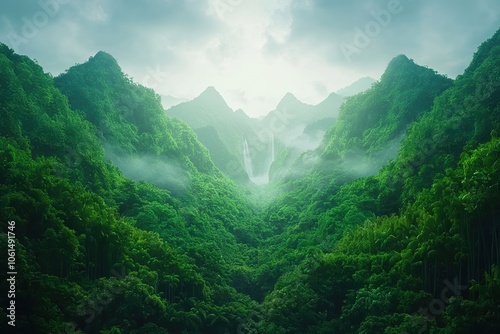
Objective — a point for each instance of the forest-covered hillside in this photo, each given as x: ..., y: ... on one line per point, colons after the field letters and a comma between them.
x: 124, y: 224
x: 164, y: 254
x: 413, y: 248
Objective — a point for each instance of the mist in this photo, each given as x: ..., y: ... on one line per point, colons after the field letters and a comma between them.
x: 355, y: 163
x: 361, y: 164
x: 165, y: 174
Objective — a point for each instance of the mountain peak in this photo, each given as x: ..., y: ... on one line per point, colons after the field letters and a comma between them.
x: 211, y: 94
x: 334, y: 98
x: 329, y: 107
x: 211, y: 97
x: 290, y: 97
x: 210, y: 91
x: 239, y: 112
x: 399, y: 63
x: 104, y: 58
x: 288, y: 100
x: 400, y: 60
x: 102, y: 65
x: 403, y: 69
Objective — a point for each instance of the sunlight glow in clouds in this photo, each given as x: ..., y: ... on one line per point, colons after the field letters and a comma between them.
x: 248, y: 73
x: 251, y: 51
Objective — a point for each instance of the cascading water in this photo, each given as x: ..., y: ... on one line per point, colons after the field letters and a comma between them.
x: 247, y: 159
x: 270, y: 160
x: 262, y: 177
x: 272, y: 150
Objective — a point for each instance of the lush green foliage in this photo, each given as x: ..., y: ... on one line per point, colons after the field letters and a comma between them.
x: 370, y: 120
x: 167, y: 244
x: 99, y: 252
x: 437, y: 234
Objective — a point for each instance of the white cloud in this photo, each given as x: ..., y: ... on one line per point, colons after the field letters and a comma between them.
x: 254, y: 51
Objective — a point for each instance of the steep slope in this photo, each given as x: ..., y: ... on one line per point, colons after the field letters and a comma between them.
x: 359, y: 86
x: 82, y: 227
x: 372, y: 119
x: 467, y: 115
x: 210, y: 109
x: 222, y: 158
x: 128, y: 118
x: 328, y: 108
x: 387, y: 274
x: 324, y: 193
x: 140, y: 139
x: 302, y: 133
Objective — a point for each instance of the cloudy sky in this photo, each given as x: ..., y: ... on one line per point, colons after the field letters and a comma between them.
x: 251, y: 51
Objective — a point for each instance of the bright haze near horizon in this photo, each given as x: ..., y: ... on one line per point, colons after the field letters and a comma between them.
x: 251, y: 51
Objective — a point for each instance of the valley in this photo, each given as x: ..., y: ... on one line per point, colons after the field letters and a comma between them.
x: 374, y: 211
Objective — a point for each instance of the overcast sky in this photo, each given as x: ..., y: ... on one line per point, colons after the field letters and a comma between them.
x: 251, y: 51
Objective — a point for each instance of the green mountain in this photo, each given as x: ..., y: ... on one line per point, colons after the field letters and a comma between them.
x: 165, y: 259
x: 377, y: 254
x: 370, y: 120
x: 370, y: 125
x: 248, y: 144
x: 120, y: 221
x: 139, y: 139
x: 208, y: 107
x: 324, y: 193
x: 467, y: 115
x: 328, y: 108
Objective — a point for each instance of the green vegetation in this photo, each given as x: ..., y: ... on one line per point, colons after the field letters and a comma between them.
x: 124, y: 224
x: 96, y: 251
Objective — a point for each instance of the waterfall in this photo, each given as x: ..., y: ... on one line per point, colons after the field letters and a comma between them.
x: 272, y: 149
x: 263, y: 168
x: 247, y: 159
x: 270, y: 161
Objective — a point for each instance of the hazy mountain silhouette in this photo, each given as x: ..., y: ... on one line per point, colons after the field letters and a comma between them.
x: 357, y: 87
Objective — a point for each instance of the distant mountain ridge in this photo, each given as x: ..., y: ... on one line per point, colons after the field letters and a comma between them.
x: 168, y: 101
x: 293, y: 126
x: 280, y: 128
x: 357, y: 87
x: 337, y: 245
x: 209, y: 109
